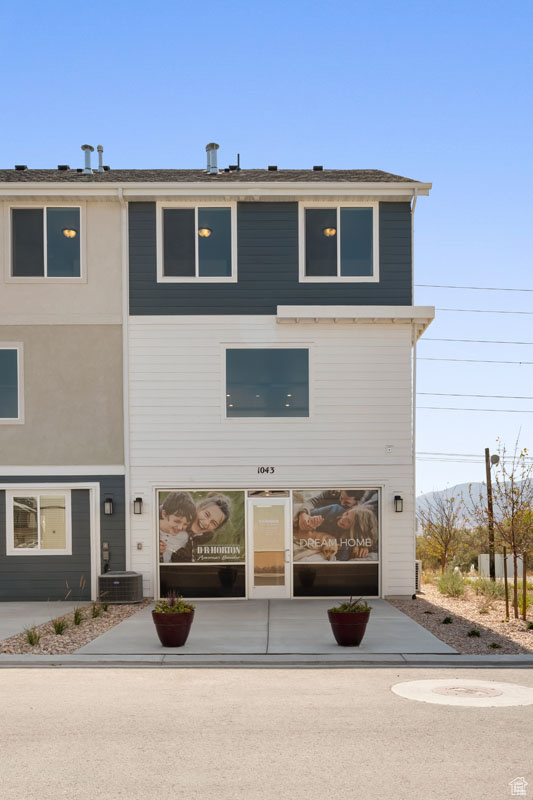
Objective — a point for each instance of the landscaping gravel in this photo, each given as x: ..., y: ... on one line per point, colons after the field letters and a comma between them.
x: 74, y: 636
x: 431, y: 607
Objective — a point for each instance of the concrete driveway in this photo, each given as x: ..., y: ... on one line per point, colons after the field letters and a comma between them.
x: 270, y: 627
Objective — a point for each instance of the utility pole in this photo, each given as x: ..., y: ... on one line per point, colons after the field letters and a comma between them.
x: 488, y: 462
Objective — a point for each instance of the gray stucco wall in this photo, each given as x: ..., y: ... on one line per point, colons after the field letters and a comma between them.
x: 267, y: 266
x: 72, y: 396
x: 46, y: 577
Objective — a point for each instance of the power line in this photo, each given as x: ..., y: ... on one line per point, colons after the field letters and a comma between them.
x: 472, y: 360
x: 467, y: 456
x: 478, y: 288
x: 484, y: 311
x: 498, y: 410
x: 498, y: 396
x: 475, y: 341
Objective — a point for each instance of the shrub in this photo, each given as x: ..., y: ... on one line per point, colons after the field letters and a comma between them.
x: 32, y: 636
x: 447, y: 620
x: 59, y: 625
x: 78, y: 616
x: 495, y: 646
x: 95, y: 611
x: 105, y: 607
x: 352, y: 606
x: 494, y: 590
x: 173, y: 605
x: 451, y: 584
x: 484, y: 611
x: 529, y: 626
x: 473, y: 633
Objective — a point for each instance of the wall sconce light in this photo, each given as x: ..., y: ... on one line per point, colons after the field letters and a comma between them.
x: 108, y: 506
x: 138, y: 505
x: 69, y: 233
x: 398, y: 503
x: 204, y: 233
x: 329, y: 232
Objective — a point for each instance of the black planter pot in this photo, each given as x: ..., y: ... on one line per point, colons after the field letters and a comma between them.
x: 348, y: 629
x: 173, y: 629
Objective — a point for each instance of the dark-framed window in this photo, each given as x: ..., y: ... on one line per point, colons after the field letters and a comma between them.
x: 46, y: 242
x: 11, y: 398
x: 339, y: 243
x: 267, y: 382
x: 197, y: 243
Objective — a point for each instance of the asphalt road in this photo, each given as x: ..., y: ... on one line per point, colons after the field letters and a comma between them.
x: 254, y: 733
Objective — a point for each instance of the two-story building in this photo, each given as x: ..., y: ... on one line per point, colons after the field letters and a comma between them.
x: 228, y: 357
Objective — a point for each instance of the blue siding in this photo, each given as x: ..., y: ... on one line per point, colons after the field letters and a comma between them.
x: 48, y: 577
x: 267, y: 266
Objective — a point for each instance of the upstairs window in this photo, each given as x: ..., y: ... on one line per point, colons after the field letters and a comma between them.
x: 11, y: 399
x: 197, y: 243
x: 339, y: 243
x: 267, y: 382
x: 46, y: 242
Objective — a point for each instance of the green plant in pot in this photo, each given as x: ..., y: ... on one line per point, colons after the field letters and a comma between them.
x: 349, y: 620
x: 173, y: 619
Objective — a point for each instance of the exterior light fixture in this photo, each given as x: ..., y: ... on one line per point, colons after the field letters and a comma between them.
x: 69, y: 233
x: 108, y: 506
x: 230, y: 405
x: 287, y: 405
x: 205, y: 233
x: 289, y: 395
x: 329, y: 232
x: 228, y: 395
x: 398, y: 503
x: 138, y: 505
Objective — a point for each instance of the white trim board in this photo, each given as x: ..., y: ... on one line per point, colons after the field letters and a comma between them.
x: 82, y: 471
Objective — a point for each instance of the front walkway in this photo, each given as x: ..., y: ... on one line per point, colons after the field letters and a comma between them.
x: 269, y: 627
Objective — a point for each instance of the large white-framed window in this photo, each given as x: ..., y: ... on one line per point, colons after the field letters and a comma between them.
x: 47, y: 244
x: 268, y: 382
x: 196, y: 242
x: 38, y: 522
x: 339, y: 242
x: 11, y: 383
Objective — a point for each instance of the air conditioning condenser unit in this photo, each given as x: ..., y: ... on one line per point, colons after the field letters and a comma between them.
x: 120, y: 587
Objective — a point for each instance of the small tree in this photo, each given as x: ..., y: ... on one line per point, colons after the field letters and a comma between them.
x: 440, y: 520
x: 512, y: 497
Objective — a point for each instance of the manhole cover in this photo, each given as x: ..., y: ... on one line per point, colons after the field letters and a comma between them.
x: 467, y: 691
x: 457, y: 692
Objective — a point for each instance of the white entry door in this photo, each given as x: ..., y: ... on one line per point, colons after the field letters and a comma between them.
x: 269, y: 547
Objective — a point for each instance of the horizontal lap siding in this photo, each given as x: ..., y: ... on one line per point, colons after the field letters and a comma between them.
x: 45, y: 577
x: 361, y: 401
x: 267, y: 266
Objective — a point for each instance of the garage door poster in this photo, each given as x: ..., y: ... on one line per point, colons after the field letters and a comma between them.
x: 201, y: 527
x: 335, y: 525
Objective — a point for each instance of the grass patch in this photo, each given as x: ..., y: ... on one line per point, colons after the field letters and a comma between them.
x: 484, y: 611
x: 79, y: 616
x: 451, y: 584
x: 495, y: 646
x: 529, y: 626
x: 32, y: 636
x: 473, y: 633
x: 105, y: 607
x: 494, y: 590
x: 95, y: 611
x: 59, y: 625
x: 447, y: 620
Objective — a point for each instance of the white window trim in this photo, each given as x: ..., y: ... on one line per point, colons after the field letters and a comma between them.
x: 161, y: 278
x: 19, y: 347
x: 11, y: 550
x: 374, y: 278
x: 267, y: 346
x: 10, y: 278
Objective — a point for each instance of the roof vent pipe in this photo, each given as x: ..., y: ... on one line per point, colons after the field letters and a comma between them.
x: 211, y: 150
x: 100, y: 149
x: 87, y: 149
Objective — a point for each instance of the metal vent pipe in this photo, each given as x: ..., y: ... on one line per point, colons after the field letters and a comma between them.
x: 100, y: 149
x: 87, y: 149
x: 211, y: 150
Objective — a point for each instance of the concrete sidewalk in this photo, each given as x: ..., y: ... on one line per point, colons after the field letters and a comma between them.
x: 258, y: 633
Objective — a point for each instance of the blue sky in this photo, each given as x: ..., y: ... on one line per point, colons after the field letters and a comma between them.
x: 436, y: 91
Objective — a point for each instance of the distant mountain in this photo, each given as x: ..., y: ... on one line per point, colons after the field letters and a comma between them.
x: 461, y: 491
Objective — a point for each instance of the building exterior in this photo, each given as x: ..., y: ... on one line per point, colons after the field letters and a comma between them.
x: 226, y: 356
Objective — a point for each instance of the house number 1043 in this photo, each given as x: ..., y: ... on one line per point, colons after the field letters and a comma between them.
x: 265, y: 470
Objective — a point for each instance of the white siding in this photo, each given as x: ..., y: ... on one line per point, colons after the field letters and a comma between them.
x: 361, y: 396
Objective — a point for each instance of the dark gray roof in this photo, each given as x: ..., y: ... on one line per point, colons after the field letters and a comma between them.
x: 196, y: 175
